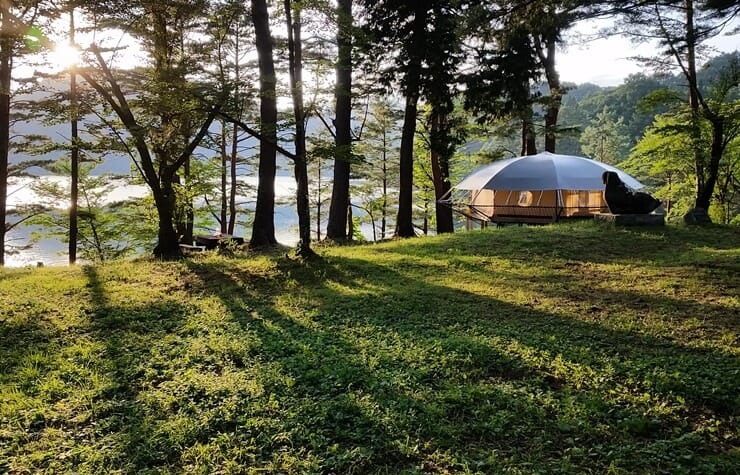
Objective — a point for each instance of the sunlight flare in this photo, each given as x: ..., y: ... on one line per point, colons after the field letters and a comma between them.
x: 65, y: 56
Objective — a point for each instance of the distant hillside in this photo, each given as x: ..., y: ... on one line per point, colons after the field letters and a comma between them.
x: 583, y: 102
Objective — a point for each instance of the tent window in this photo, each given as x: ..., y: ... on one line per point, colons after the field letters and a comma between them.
x: 525, y: 198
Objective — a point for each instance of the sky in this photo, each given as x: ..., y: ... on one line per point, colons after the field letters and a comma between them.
x: 606, y: 62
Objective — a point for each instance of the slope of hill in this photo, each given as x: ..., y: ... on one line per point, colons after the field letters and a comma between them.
x: 560, y: 349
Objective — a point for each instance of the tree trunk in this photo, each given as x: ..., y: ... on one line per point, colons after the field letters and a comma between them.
x: 234, y: 157
x: 552, y: 110
x: 160, y: 173
x: 168, y: 245
x: 234, y: 161
x: 350, y: 223
x: 404, y: 218
x: 529, y: 145
x: 336, y: 228
x: 6, y: 65
x: 187, y: 236
x: 384, y: 197
x: 295, y: 69
x: 704, y: 196
x: 75, y: 151
x: 318, y: 200
x: 223, y: 219
x: 263, y: 228
x: 441, y: 171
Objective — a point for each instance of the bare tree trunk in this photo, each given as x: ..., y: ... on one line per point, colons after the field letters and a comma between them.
x: 404, y: 218
x: 263, y: 229
x: 336, y: 228
x: 350, y: 223
x: 75, y: 150
x: 223, y: 224
x: 552, y: 109
x: 295, y: 69
x: 384, y: 203
x: 440, y: 172
x: 187, y: 236
x: 6, y: 65
x: 168, y: 245
x: 318, y: 200
x: 704, y: 196
x: 234, y: 161
x: 529, y: 145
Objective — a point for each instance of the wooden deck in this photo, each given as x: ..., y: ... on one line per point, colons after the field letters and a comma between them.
x: 510, y: 218
x: 632, y: 219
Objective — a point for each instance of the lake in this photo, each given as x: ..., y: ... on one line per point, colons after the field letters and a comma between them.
x: 54, y: 252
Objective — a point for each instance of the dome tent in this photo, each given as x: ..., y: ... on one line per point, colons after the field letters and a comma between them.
x: 534, y: 189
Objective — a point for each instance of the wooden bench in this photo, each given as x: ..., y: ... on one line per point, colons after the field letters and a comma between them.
x: 212, y: 241
x: 192, y: 248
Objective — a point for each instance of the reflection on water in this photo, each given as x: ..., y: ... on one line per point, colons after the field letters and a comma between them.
x: 54, y: 252
x: 47, y: 251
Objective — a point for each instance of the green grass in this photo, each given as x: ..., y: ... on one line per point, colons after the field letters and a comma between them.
x: 559, y: 349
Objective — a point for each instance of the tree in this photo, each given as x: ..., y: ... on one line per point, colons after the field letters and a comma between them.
x: 105, y: 230
x: 74, y: 169
x: 515, y: 47
x: 167, y: 116
x: 500, y: 86
x: 668, y: 152
x: 263, y: 228
x: 336, y: 228
x: 605, y: 138
x: 681, y: 26
x: 379, y: 167
x: 19, y: 34
x: 663, y: 158
x: 230, y: 28
x: 424, y: 173
x: 319, y: 152
x: 418, y: 42
x: 295, y: 73
x: 445, y: 132
x: 399, y: 28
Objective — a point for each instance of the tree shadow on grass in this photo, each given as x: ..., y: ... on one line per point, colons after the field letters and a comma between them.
x: 72, y: 380
x: 596, y: 291
x: 132, y: 435
x: 451, y: 310
x: 652, y: 246
x: 467, y: 380
x: 335, y: 405
x: 349, y: 365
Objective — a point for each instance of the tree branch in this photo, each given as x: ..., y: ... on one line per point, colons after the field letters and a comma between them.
x: 197, y: 139
x: 326, y: 124
x: 255, y: 134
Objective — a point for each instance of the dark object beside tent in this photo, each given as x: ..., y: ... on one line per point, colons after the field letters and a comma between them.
x: 622, y: 200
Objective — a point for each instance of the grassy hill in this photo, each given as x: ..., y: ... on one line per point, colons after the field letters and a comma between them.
x: 572, y: 348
